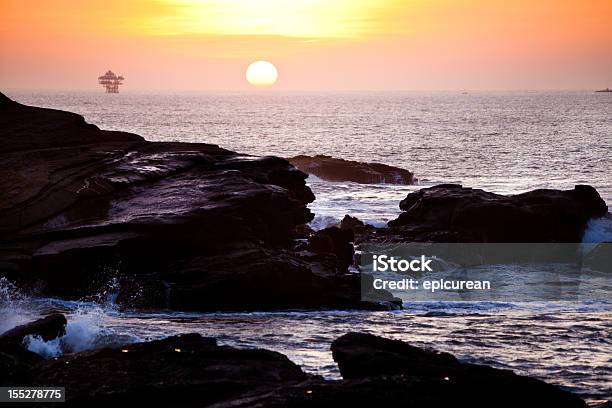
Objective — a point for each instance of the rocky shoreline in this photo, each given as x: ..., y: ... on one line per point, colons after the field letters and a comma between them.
x: 174, y: 225
x: 451, y: 213
x: 191, y: 370
x: 196, y: 227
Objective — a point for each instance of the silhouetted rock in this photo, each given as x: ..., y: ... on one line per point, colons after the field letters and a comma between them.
x: 16, y: 363
x: 175, y: 224
x: 333, y: 169
x: 452, y: 213
x: 335, y: 241
x: 255, y: 279
x: 47, y: 328
x: 184, y: 370
x: 351, y: 223
x: 191, y: 370
x: 15, y: 360
x: 432, y: 378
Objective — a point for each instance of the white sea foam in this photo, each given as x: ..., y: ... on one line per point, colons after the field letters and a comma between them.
x: 598, y: 230
x: 14, y: 306
x: 323, y: 221
x: 85, y: 330
x: 376, y: 223
x: 312, y: 178
x: 87, y: 325
x: 46, y: 349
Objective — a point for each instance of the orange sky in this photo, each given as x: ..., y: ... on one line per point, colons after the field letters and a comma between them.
x: 315, y: 44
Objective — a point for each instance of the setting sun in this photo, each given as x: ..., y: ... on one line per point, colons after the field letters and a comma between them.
x: 262, y: 74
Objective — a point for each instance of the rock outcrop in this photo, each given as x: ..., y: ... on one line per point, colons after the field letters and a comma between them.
x: 47, y: 328
x: 352, y: 223
x: 190, y: 370
x: 334, y: 240
x: 15, y: 360
x: 333, y: 169
x: 452, y: 213
x: 177, y: 225
x: 433, y: 378
x: 184, y: 370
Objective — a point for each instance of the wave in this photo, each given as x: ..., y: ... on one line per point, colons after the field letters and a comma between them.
x: 598, y: 230
x: 87, y: 325
x: 85, y: 330
x: 323, y: 221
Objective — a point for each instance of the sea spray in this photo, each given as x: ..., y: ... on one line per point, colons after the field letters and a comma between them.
x: 321, y: 222
x: 598, y: 230
x: 87, y: 320
x: 47, y: 349
x: 87, y: 328
x: 14, y: 306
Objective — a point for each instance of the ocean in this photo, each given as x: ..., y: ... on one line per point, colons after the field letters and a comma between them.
x: 505, y: 142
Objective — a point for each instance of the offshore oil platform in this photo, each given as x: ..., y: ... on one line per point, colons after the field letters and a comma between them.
x: 110, y: 81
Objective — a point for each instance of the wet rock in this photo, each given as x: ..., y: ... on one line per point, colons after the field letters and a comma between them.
x: 16, y: 363
x: 429, y: 378
x: 82, y: 208
x: 363, y: 355
x: 15, y: 360
x: 191, y: 370
x: 351, y: 223
x: 333, y: 169
x: 47, y: 328
x: 336, y: 241
x: 184, y: 370
x: 406, y: 391
x: 452, y: 213
x: 255, y: 279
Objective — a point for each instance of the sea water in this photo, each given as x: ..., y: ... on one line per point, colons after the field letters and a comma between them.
x: 505, y: 142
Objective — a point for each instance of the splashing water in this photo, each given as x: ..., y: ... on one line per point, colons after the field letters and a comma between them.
x: 85, y: 330
x: 598, y: 230
x: 14, y: 306
x: 86, y: 320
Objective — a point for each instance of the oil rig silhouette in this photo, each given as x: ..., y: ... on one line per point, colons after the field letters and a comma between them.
x: 110, y: 81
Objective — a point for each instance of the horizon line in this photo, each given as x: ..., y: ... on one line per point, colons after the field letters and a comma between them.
x: 269, y: 91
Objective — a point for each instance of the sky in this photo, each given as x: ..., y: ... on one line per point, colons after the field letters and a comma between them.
x: 316, y: 45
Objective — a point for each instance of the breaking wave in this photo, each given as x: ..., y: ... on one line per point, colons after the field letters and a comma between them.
x: 598, y: 230
x: 87, y: 321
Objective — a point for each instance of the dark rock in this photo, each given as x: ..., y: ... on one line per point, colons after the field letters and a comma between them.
x: 432, y: 378
x: 440, y: 386
x: 47, y: 328
x: 335, y: 241
x: 399, y: 390
x: 451, y: 213
x: 186, y: 370
x: 256, y: 279
x: 82, y: 207
x: 332, y: 169
x: 15, y: 360
x: 191, y: 370
x: 362, y: 355
x: 351, y: 223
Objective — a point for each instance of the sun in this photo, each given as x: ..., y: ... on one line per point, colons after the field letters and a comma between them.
x: 262, y: 74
